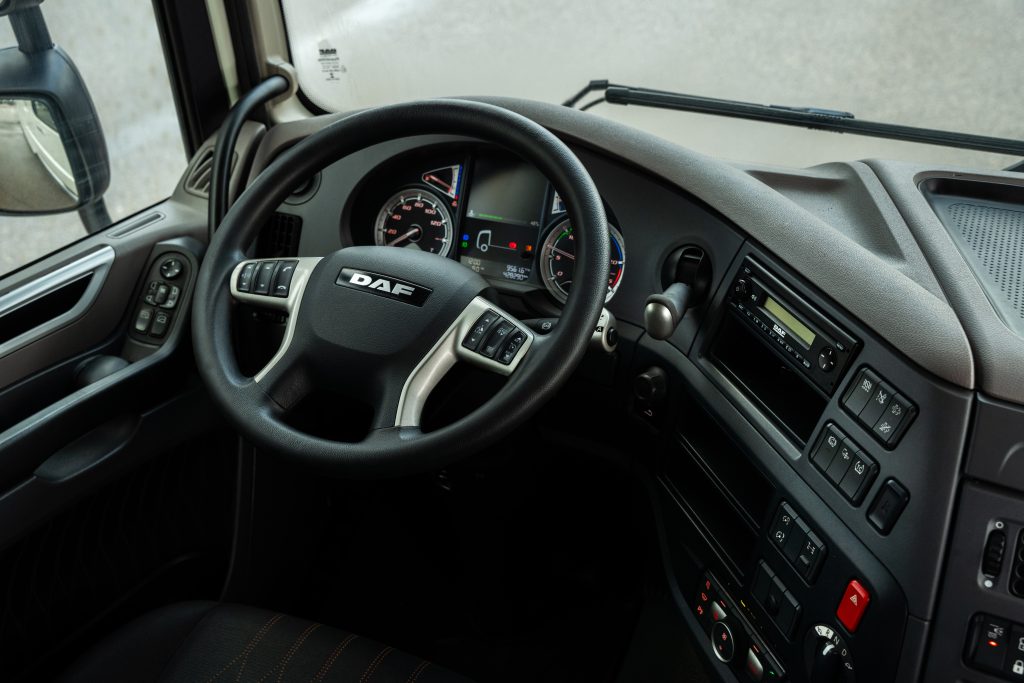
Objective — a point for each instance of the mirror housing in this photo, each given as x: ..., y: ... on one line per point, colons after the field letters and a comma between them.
x: 48, y: 129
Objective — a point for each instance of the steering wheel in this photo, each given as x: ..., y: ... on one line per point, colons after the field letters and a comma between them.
x: 383, y: 325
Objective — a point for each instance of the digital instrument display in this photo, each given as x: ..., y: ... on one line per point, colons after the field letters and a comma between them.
x: 499, y: 236
x: 801, y: 331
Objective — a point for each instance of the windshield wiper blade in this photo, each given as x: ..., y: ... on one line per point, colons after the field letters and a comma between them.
x: 808, y: 117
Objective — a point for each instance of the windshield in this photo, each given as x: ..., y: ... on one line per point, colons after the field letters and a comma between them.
x: 948, y: 65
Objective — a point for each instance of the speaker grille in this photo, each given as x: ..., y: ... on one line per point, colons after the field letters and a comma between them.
x: 996, y: 238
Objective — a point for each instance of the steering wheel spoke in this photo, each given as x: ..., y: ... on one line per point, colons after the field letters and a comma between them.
x: 484, y: 336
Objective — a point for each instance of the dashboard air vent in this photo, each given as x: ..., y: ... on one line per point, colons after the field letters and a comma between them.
x: 198, y: 180
x: 280, y: 236
x: 200, y: 174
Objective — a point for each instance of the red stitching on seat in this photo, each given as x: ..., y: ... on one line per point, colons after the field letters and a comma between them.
x: 329, y: 662
x: 283, y: 664
x: 252, y: 641
x: 374, y: 664
x: 252, y: 646
x: 419, y: 669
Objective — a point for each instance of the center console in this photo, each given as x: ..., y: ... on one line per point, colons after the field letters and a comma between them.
x: 806, y: 477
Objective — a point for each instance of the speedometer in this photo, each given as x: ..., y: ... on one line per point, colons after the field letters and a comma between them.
x: 559, y: 258
x: 416, y: 219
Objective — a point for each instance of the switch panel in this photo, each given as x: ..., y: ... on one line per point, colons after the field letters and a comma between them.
x: 801, y: 546
x: 879, y: 407
x: 847, y: 467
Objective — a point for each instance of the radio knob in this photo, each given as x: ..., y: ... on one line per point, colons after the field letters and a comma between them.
x: 827, y: 359
x: 740, y: 288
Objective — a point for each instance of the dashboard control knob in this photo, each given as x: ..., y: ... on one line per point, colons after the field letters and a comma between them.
x: 722, y: 643
x: 740, y: 288
x: 827, y: 656
x: 651, y: 385
x: 827, y: 359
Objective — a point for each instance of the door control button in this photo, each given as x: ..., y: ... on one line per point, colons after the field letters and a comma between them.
x: 161, y: 319
x: 171, y: 268
x: 851, y: 607
x: 162, y: 291
x: 143, y: 319
x: 172, y: 297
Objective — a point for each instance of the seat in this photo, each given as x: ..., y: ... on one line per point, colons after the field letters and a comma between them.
x: 208, y: 641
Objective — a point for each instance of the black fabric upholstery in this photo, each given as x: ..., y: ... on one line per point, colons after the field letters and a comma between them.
x: 205, y: 641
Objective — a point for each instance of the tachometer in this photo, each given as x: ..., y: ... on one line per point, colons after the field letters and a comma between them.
x: 559, y: 261
x: 414, y: 218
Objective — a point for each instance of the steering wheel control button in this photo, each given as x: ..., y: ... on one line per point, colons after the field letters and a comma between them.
x: 852, y: 606
x: 264, y: 277
x: 480, y: 330
x: 496, y: 338
x: 246, y: 277
x: 722, y: 642
x: 888, y: 506
x: 160, y: 322
x: 171, y: 268
x: 515, y: 342
x: 143, y: 320
x: 283, y: 278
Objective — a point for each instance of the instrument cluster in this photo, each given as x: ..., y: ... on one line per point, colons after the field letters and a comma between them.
x: 481, y: 206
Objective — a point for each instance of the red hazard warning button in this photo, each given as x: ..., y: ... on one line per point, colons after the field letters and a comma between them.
x: 851, y: 607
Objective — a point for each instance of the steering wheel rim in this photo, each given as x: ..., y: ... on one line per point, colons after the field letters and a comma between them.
x: 546, y: 365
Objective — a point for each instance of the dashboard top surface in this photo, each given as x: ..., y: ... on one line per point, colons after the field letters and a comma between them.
x: 860, y: 232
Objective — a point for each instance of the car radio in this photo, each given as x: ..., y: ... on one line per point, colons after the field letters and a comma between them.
x: 812, y: 343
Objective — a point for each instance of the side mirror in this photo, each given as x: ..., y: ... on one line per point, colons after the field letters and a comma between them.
x: 51, y: 143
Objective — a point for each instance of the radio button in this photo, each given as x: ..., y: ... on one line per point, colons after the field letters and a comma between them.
x: 870, y: 413
x: 827, y: 359
x: 861, y: 391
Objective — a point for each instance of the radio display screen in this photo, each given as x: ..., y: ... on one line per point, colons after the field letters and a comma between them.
x: 801, y: 331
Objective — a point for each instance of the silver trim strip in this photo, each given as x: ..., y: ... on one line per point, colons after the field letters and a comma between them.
x: 440, y: 359
x: 96, y: 264
x: 289, y: 305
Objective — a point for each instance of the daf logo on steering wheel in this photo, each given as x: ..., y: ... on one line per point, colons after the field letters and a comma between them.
x: 383, y: 285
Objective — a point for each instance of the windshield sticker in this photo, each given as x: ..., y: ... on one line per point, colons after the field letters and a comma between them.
x: 330, y: 64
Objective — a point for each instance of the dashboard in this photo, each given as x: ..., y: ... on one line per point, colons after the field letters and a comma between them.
x: 813, y: 426
x: 480, y: 206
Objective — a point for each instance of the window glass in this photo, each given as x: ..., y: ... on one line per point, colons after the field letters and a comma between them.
x: 116, y: 47
x: 943, y: 64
